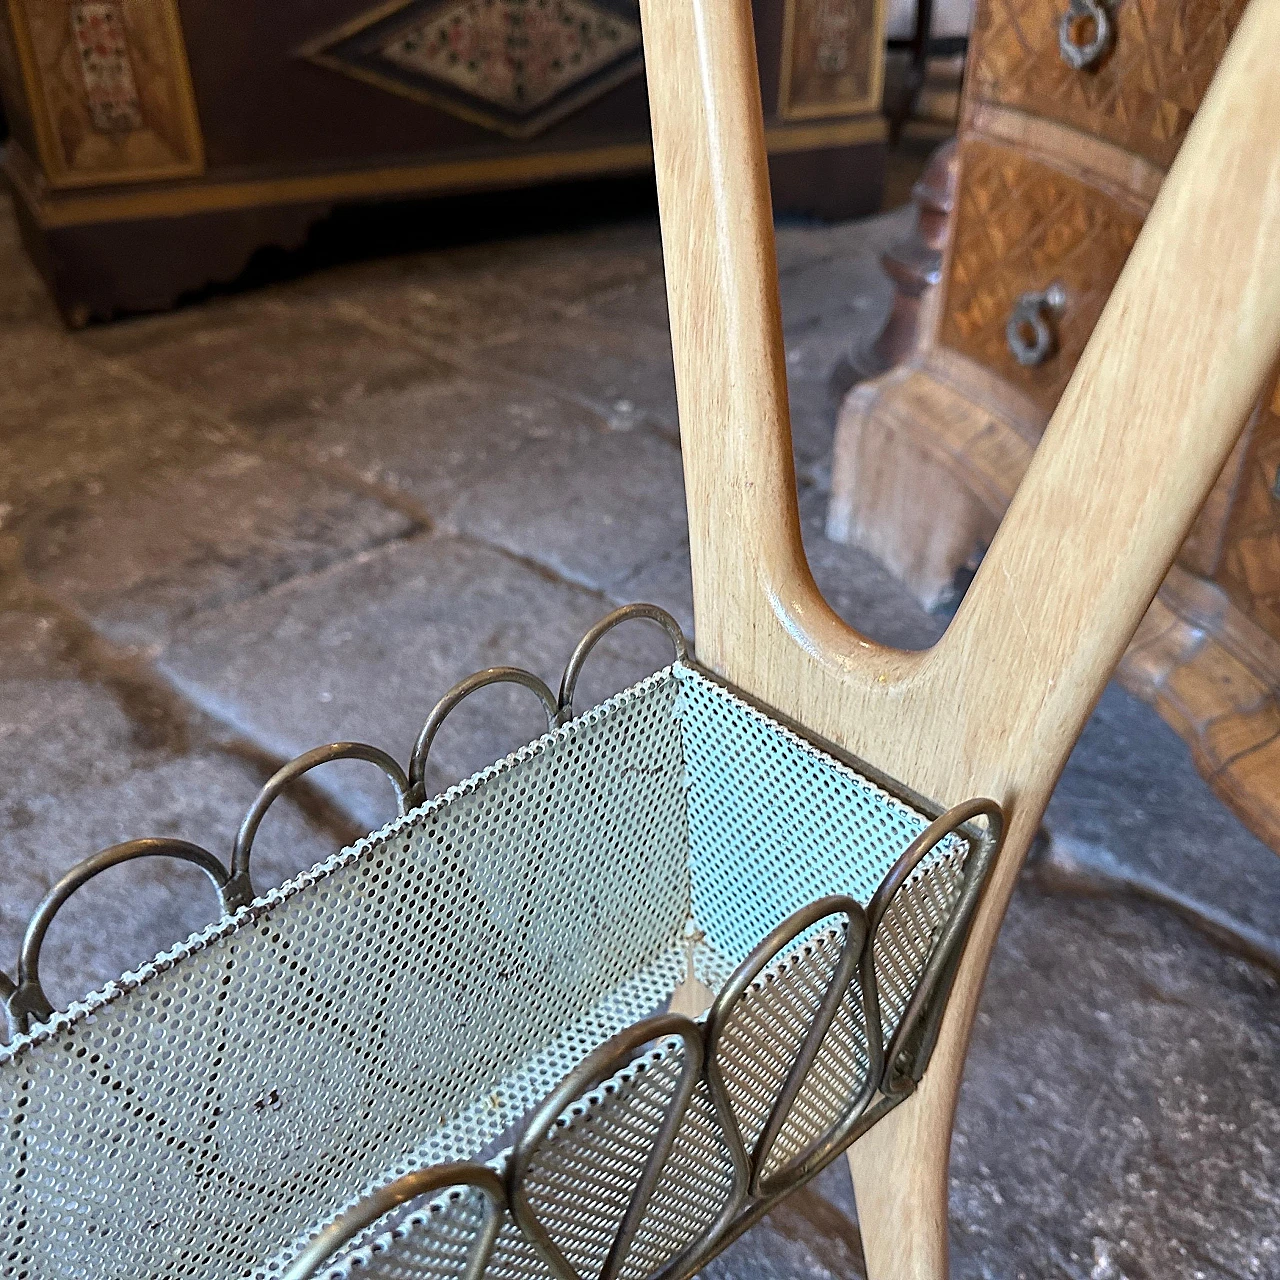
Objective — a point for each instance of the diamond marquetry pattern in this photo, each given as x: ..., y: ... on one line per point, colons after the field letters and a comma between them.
x: 1020, y: 226
x: 512, y: 53
x: 1140, y: 96
x: 517, y: 66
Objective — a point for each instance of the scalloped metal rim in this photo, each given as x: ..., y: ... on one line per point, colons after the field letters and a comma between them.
x: 893, y: 1069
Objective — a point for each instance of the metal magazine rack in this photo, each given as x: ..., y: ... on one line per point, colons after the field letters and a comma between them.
x: 586, y: 1014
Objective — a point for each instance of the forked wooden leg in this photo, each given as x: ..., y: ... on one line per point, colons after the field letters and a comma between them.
x: 900, y: 1182
x: 996, y: 706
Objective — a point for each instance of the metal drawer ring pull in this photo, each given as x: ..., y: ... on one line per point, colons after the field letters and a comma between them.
x: 1075, y: 54
x: 1030, y: 337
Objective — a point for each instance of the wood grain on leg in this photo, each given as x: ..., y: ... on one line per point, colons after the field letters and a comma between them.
x: 995, y: 707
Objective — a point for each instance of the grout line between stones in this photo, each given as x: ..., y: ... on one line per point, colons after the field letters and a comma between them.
x: 466, y: 361
x: 154, y: 706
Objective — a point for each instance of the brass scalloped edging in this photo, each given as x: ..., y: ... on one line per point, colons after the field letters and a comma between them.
x: 893, y: 1072
x: 893, y: 1069
x: 25, y: 1000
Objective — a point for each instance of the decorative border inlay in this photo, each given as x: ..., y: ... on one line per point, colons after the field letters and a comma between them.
x: 110, y: 90
x: 74, y: 208
x: 509, y: 66
x: 832, y: 58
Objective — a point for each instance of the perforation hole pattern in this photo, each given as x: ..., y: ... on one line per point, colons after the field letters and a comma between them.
x: 910, y: 928
x: 839, y: 1072
x: 774, y: 823
x: 434, y: 1240
x: 768, y: 1025
x: 410, y: 999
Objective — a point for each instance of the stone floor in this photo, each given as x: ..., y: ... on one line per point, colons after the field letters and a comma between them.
x: 298, y: 514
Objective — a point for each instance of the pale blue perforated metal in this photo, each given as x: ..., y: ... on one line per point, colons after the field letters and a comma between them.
x: 769, y: 811
x: 409, y: 1000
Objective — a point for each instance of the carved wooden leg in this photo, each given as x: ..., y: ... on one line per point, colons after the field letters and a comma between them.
x: 900, y: 1166
x: 914, y: 265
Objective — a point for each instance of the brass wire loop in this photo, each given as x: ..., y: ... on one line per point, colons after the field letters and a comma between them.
x: 891, y: 1076
x: 26, y: 999
x: 820, y: 1023
x: 412, y: 1186
x: 240, y: 884
x: 649, y: 612
x: 462, y: 690
x: 591, y: 1072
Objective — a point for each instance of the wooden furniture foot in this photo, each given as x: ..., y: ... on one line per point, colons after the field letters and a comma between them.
x: 899, y: 1173
x: 907, y: 492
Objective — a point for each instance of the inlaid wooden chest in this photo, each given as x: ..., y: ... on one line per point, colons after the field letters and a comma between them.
x: 158, y: 143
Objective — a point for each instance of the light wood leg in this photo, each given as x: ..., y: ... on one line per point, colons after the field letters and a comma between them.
x: 900, y: 1167
x: 900, y: 1182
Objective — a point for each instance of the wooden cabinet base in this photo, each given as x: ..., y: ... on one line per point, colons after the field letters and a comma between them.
x: 110, y: 253
x: 99, y: 270
x: 928, y: 457
x: 157, y: 144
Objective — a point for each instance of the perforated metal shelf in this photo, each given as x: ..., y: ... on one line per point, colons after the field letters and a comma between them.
x: 488, y: 974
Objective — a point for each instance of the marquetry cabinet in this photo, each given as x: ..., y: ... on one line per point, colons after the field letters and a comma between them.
x: 158, y: 143
x: 1072, y: 111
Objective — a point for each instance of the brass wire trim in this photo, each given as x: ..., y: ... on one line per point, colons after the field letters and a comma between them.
x: 25, y: 999
x: 894, y: 1073
x: 835, y: 945
x: 422, y: 1182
